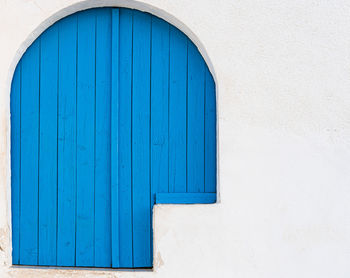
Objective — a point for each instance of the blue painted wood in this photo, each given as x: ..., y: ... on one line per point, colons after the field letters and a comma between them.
x: 159, y: 110
x: 103, y: 256
x: 159, y: 106
x: 66, y: 161
x: 112, y: 110
x: 16, y: 161
x: 48, y: 147
x: 210, y: 133
x: 115, y: 243
x: 124, y: 150
x: 195, y: 120
x: 177, y: 111
x: 141, y: 140
x: 29, y: 155
x: 185, y: 198
x: 86, y: 126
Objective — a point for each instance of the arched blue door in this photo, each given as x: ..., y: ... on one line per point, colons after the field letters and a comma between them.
x: 112, y: 110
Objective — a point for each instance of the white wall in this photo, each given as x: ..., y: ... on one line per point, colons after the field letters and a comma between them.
x: 282, y: 70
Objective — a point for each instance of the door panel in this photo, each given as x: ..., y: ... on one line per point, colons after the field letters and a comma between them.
x: 109, y: 107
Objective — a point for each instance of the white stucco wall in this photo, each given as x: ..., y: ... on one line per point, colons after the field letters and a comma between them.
x: 282, y: 70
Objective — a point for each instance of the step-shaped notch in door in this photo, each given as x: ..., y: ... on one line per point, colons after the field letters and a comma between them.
x: 112, y: 111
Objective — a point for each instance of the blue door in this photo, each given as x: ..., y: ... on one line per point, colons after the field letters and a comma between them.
x: 112, y: 111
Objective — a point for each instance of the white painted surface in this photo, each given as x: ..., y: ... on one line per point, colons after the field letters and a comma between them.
x: 282, y: 70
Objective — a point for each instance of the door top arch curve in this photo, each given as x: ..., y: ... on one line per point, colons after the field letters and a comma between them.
x: 92, y: 4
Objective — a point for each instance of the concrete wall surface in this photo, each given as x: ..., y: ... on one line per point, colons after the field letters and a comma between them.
x: 282, y: 71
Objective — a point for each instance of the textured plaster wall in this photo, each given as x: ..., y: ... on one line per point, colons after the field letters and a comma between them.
x: 282, y: 70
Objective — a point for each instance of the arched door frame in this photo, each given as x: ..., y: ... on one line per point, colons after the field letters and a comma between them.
x: 71, y: 9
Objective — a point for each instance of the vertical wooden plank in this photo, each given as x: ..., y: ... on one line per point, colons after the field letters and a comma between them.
x: 85, y: 138
x: 114, y: 138
x: 159, y: 110
x: 195, y: 121
x: 48, y: 147
x: 210, y: 133
x: 103, y: 139
x: 66, y: 162
x: 16, y: 160
x: 141, y: 140
x: 29, y: 155
x: 177, y: 111
x: 159, y: 105
x: 124, y: 150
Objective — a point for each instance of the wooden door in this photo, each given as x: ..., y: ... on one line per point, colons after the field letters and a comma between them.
x: 111, y: 110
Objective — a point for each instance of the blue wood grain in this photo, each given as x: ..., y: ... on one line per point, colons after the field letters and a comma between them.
x: 141, y: 140
x: 195, y: 120
x: 103, y: 256
x: 16, y: 161
x: 115, y: 243
x: 85, y: 232
x: 112, y: 110
x: 210, y: 133
x: 159, y: 110
x: 67, y: 124
x: 124, y: 150
x: 29, y: 155
x: 177, y: 111
x: 159, y: 105
x: 48, y: 147
x: 185, y: 198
